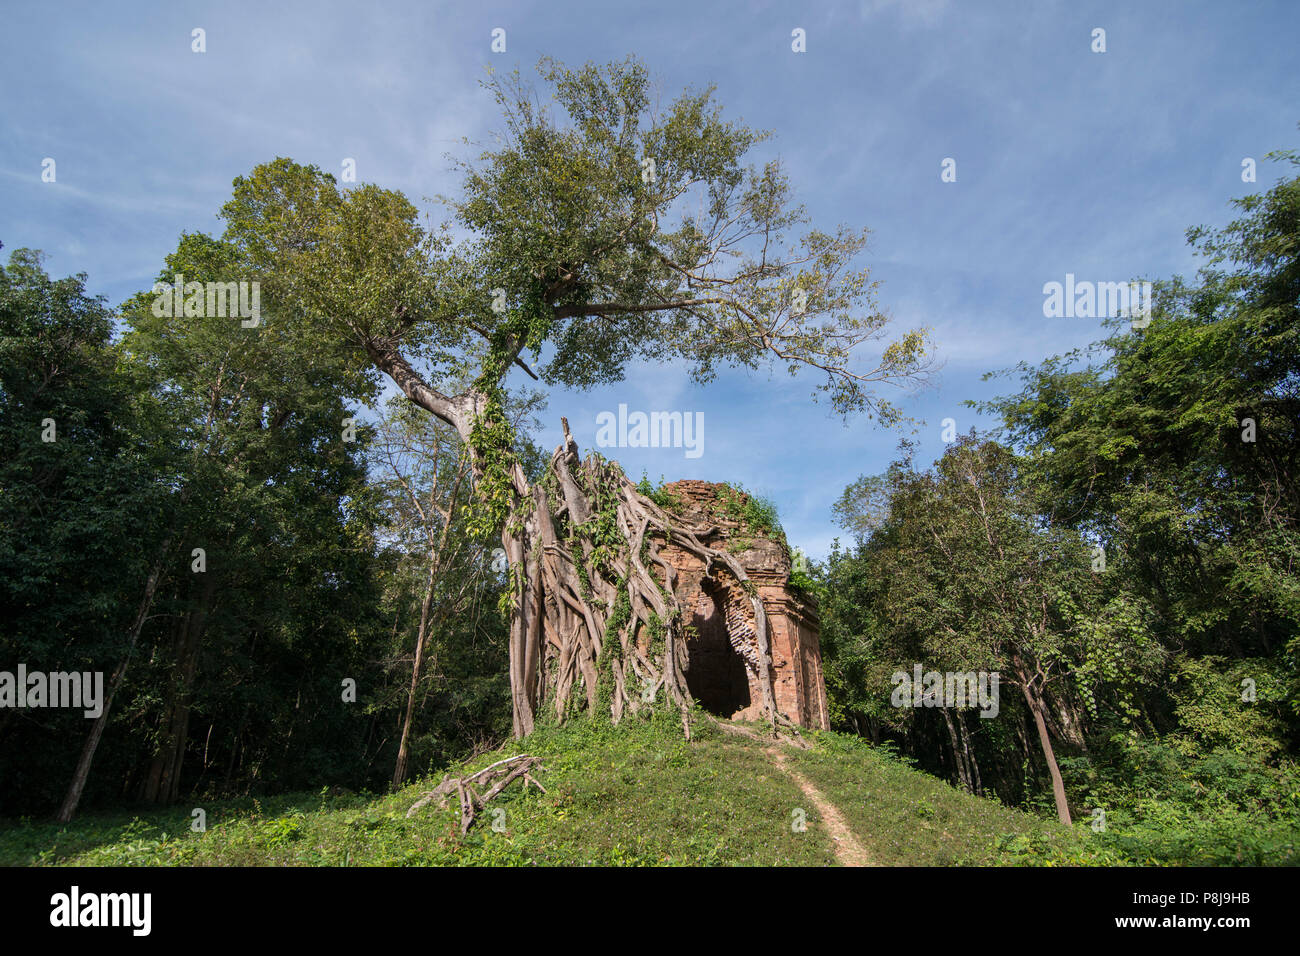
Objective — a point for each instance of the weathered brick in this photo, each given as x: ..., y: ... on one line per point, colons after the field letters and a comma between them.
x: 723, y: 651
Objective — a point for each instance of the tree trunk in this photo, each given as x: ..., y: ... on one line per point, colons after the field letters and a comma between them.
x: 1058, y: 785
x: 235, y: 746
x: 958, y: 756
x: 82, y: 773
x: 969, y: 751
x: 426, y: 608
x: 163, y: 783
x: 150, y: 787
x: 1071, y: 722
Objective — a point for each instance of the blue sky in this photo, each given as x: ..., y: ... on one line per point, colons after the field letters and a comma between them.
x: 1068, y: 161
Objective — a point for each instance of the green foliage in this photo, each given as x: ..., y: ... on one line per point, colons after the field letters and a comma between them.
x: 656, y: 493
x: 1169, y: 666
x: 491, y: 436
x: 80, y: 515
x: 570, y: 243
x: 803, y: 581
x: 601, y: 530
x: 210, y: 435
x: 756, y: 515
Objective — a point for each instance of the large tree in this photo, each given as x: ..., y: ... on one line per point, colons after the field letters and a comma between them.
x: 970, y: 571
x: 445, y: 582
x: 77, y: 467
x: 1175, y: 445
x: 600, y: 232
x: 250, y: 488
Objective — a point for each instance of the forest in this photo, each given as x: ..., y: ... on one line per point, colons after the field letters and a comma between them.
x: 1122, y: 549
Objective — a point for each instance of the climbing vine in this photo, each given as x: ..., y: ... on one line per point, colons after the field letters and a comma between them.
x: 491, y: 436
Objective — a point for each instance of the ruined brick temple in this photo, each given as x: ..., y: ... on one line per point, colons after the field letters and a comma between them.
x: 723, y: 650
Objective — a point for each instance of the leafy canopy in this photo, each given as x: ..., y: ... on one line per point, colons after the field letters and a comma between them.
x: 601, y: 231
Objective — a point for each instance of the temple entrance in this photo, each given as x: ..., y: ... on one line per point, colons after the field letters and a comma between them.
x: 716, y: 674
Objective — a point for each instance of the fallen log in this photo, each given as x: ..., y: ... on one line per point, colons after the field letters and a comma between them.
x: 494, y: 777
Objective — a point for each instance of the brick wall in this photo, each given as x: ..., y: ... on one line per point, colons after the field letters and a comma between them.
x: 797, y: 680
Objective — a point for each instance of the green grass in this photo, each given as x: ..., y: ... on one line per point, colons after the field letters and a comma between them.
x: 634, y: 795
x: 904, y: 817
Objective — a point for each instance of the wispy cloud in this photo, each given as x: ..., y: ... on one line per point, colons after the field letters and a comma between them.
x: 1067, y: 161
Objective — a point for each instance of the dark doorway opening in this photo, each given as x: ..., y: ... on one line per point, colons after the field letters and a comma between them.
x: 716, y: 675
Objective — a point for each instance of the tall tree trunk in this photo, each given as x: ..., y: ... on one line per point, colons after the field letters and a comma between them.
x: 163, y: 785
x: 79, y: 777
x: 958, y: 755
x: 235, y: 747
x: 426, y: 609
x: 1058, y: 785
x: 522, y: 696
x: 969, y: 751
x: 151, y: 785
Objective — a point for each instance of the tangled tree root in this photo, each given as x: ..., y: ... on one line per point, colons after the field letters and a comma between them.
x: 495, y: 778
x: 595, y: 613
